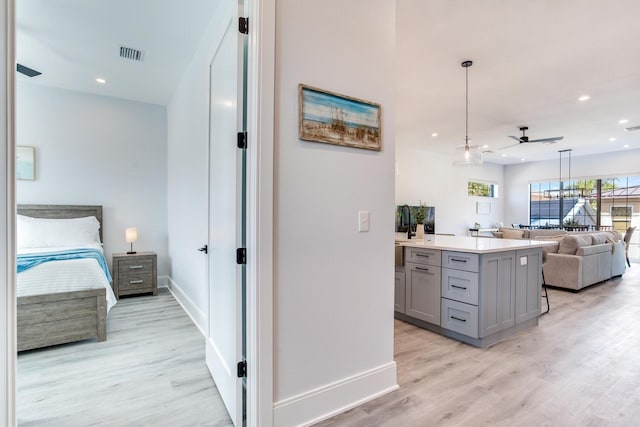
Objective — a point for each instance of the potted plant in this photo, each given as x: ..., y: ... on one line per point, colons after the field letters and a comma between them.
x: 421, y: 213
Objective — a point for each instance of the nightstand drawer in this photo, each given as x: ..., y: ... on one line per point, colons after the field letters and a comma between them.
x: 135, y: 266
x: 135, y: 282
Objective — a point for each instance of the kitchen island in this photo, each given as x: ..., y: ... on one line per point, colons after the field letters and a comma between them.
x: 473, y: 289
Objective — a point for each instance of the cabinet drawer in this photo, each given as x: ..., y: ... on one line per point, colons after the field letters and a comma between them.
x: 422, y: 256
x: 460, y: 317
x: 135, y: 282
x: 460, y: 261
x: 460, y: 285
x: 135, y: 266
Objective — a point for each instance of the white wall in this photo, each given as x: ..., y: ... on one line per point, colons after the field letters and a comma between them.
x: 424, y: 175
x: 98, y: 150
x: 518, y: 177
x: 187, y: 191
x: 333, y: 286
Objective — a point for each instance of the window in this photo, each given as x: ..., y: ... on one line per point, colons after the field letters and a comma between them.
x: 482, y: 189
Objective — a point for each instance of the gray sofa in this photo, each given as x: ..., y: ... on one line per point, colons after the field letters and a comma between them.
x: 577, y: 260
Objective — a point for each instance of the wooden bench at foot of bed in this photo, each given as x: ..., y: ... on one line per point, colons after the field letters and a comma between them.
x: 60, y: 318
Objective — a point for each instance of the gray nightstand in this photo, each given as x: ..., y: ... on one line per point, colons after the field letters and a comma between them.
x: 135, y: 274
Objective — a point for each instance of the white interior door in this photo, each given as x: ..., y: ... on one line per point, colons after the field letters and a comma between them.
x: 225, y: 335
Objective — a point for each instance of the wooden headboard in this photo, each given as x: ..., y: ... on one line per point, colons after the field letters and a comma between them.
x: 62, y: 211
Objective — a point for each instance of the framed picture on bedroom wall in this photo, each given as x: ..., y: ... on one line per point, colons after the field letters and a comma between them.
x: 25, y: 163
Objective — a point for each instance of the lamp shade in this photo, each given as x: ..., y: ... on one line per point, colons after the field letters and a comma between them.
x: 131, y: 235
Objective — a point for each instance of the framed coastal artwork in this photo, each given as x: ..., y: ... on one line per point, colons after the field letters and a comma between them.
x: 336, y: 119
x: 25, y: 163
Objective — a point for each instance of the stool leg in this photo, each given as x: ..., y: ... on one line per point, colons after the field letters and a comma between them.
x: 546, y: 295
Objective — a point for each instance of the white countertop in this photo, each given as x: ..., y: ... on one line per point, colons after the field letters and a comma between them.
x: 476, y: 245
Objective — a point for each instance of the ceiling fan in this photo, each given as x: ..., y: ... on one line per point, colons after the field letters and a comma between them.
x: 525, y: 139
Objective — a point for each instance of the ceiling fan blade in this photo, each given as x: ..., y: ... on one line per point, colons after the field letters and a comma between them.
x: 517, y: 138
x: 29, y: 72
x: 508, y: 146
x: 554, y: 139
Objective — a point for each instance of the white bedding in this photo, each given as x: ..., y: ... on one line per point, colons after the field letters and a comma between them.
x: 63, y: 276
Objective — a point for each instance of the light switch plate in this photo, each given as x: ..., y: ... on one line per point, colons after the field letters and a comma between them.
x: 523, y: 260
x: 363, y: 221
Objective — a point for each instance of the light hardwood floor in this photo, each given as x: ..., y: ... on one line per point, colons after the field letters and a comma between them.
x: 149, y: 372
x: 579, y: 367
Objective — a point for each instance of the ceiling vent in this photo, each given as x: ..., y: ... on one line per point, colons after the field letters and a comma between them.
x: 130, y: 53
x: 631, y: 129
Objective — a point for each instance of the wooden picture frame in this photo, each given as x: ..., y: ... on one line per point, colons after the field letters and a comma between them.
x: 332, y: 118
x: 25, y: 163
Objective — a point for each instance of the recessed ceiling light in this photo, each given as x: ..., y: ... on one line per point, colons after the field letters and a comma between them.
x: 584, y: 98
x: 612, y: 139
x: 434, y: 134
x: 101, y: 80
x: 626, y: 146
x: 504, y: 155
x: 522, y: 160
x: 485, y: 146
x: 623, y: 121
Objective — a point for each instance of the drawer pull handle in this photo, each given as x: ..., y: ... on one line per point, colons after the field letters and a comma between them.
x: 457, y: 318
x: 423, y: 255
x: 422, y: 269
x: 136, y: 267
x: 458, y: 260
x: 459, y: 287
x: 135, y: 282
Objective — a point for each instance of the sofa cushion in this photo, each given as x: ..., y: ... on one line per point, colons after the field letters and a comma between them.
x: 549, y: 249
x: 509, y: 233
x: 570, y: 244
x: 599, y: 238
x: 534, y: 234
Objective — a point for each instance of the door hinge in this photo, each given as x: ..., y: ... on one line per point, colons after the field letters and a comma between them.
x: 242, y: 369
x: 242, y: 140
x: 241, y: 255
x: 243, y: 25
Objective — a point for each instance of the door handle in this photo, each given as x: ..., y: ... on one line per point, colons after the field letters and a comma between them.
x: 204, y: 249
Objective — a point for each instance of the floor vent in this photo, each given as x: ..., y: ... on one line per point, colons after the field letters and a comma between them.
x: 633, y: 128
x: 130, y: 53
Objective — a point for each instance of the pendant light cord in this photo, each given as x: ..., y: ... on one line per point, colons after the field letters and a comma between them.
x: 466, y: 124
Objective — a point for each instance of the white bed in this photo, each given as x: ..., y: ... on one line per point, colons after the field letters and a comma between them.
x: 66, y: 298
x: 64, y: 276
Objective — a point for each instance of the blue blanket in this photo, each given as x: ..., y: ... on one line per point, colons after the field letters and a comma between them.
x: 28, y: 261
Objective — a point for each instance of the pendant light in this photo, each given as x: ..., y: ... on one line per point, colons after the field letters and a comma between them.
x: 466, y: 65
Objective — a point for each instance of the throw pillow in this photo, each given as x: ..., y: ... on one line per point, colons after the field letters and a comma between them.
x: 512, y: 234
x: 570, y: 244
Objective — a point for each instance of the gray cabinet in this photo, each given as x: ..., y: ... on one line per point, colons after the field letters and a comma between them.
x: 497, y: 292
x: 399, y: 292
x: 460, y: 292
x: 528, y: 284
x: 422, y: 299
x: 474, y: 298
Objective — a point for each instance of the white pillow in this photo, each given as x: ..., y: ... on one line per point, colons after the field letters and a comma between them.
x: 47, y: 232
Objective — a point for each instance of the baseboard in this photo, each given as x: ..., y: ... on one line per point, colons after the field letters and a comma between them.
x: 197, y: 316
x: 163, y: 281
x: 324, y: 402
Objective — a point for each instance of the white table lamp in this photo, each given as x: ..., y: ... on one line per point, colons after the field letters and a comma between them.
x: 131, y: 235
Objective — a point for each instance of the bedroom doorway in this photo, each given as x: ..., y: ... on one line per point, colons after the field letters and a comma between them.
x: 226, y: 336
